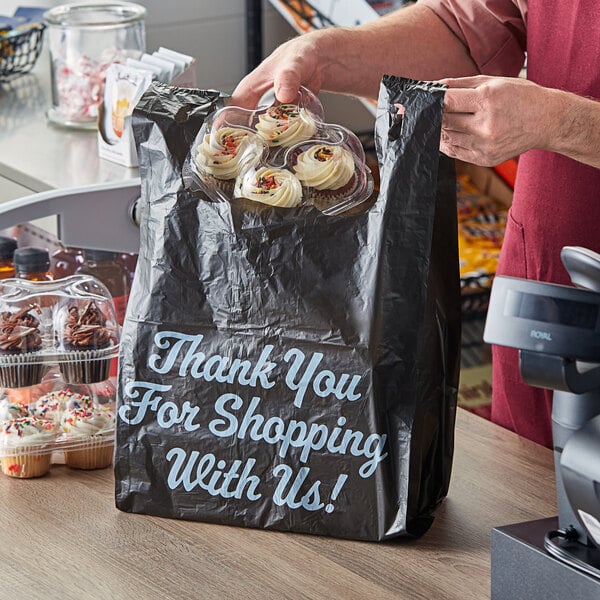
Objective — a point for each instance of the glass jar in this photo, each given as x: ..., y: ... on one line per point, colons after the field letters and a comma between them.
x: 84, y: 39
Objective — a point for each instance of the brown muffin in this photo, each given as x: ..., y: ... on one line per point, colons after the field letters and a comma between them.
x: 89, y: 344
x: 20, y: 340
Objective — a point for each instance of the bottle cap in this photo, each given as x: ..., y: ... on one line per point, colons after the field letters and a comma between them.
x: 8, y: 246
x: 31, y: 259
x: 99, y: 255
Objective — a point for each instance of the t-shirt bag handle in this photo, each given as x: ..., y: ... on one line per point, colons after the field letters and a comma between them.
x: 285, y: 369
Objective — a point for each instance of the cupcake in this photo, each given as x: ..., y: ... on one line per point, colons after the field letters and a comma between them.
x: 51, y: 406
x: 90, y: 433
x: 9, y: 411
x: 224, y: 152
x: 328, y: 170
x: 20, y: 341
x: 89, y: 345
x: 285, y: 125
x: 26, y: 447
x: 276, y: 187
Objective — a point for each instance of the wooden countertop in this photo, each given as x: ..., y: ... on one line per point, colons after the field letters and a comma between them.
x: 62, y: 538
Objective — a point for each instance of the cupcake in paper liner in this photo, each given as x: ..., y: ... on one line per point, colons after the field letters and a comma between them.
x: 88, y: 342
x: 20, y: 343
x: 281, y: 155
x: 91, y: 434
x: 328, y: 171
x: 223, y: 153
x: 276, y: 187
x: 285, y: 125
x: 26, y: 446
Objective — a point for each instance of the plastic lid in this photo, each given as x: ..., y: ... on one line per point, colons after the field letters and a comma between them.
x: 70, y: 323
x: 8, y: 246
x: 99, y: 255
x: 282, y: 155
x: 31, y: 259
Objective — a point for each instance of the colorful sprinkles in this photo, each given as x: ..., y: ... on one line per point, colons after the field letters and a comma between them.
x: 265, y: 185
x: 20, y: 427
x: 323, y: 154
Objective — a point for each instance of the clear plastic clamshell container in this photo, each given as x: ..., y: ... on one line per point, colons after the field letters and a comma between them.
x: 57, y: 341
x: 281, y: 155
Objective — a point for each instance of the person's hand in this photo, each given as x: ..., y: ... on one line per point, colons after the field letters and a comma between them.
x: 295, y: 63
x: 488, y: 120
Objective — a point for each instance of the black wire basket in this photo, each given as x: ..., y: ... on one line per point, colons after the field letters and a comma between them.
x: 18, y: 53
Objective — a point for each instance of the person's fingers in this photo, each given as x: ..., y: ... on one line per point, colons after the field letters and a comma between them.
x: 284, y: 71
x: 465, y: 82
x: 459, y: 100
x: 464, y: 147
x: 248, y: 92
x: 287, y: 84
x: 455, y: 138
x: 464, y: 122
x: 460, y: 152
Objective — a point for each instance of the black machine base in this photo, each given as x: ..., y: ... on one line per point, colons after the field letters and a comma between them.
x: 521, y: 567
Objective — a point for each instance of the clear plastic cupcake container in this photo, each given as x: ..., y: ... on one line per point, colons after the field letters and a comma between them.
x: 69, y: 323
x: 57, y: 405
x: 282, y: 155
x: 68, y: 424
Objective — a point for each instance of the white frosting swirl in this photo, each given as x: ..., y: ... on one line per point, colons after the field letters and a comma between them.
x: 276, y: 187
x: 325, y: 167
x: 285, y: 125
x: 51, y: 405
x: 27, y: 431
x: 11, y: 410
x: 87, y: 423
x: 225, y: 151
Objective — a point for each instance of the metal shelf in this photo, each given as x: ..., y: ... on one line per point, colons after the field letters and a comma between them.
x: 100, y: 216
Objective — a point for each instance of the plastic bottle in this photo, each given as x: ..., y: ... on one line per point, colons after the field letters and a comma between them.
x: 8, y: 246
x: 32, y: 263
x: 129, y: 261
x: 64, y: 261
x: 104, y: 266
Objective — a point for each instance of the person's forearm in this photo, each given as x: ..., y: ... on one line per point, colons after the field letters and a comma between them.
x: 412, y: 42
x: 574, y: 127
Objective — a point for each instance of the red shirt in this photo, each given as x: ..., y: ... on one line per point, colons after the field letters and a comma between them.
x: 556, y: 200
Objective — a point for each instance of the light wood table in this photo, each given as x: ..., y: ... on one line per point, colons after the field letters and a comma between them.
x: 62, y: 538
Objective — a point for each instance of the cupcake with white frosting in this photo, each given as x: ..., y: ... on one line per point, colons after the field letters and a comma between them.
x: 223, y: 154
x: 285, y: 125
x: 9, y: 411
x: 325, y: 167
x: 329, y: 173
x: 50, y: 406
x: 26, y: 447
x: 276, y: 187
x: 90, y: 433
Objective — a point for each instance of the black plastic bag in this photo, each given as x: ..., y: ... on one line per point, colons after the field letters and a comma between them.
x: 284, y: 369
